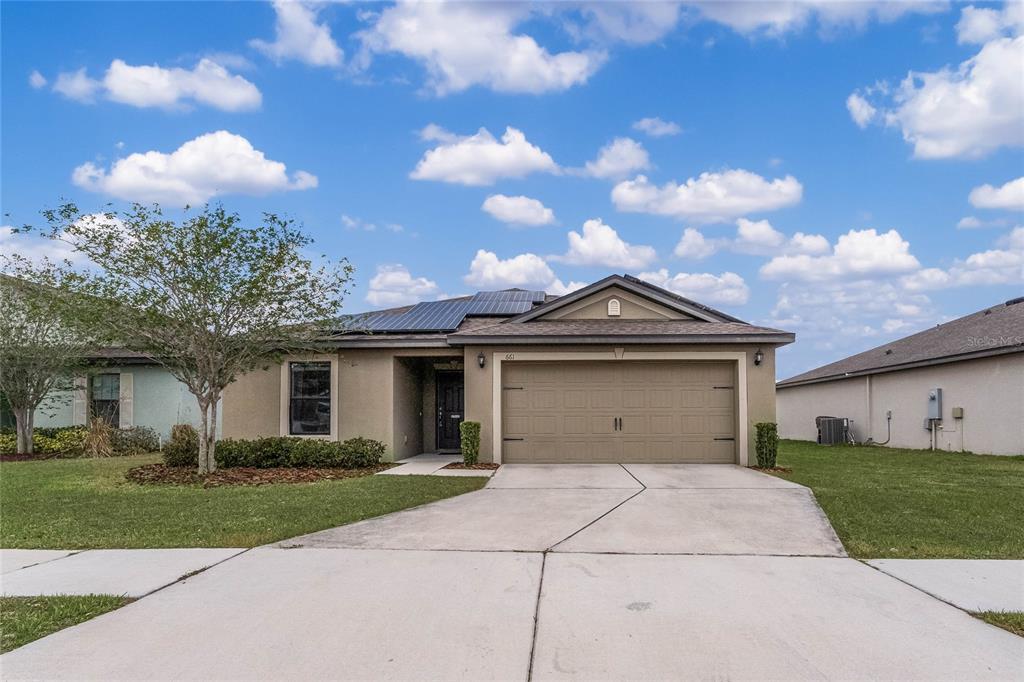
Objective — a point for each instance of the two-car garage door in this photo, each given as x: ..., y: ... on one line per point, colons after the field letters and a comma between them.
x: 618, y: 411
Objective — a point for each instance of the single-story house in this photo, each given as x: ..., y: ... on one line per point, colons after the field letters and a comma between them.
x: 957, y: 386
x: 620, y: 370
x: 125, y: 388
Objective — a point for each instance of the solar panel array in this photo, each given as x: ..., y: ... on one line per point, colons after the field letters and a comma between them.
x: 448, y: 315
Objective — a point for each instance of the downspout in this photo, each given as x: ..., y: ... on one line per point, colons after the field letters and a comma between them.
x: 867, y: 402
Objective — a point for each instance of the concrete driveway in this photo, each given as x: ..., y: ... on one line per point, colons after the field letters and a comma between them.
x: 550, y: 572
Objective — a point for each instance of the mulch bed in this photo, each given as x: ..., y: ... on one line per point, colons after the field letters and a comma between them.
x: 486, y: 466
x: 774, y: 470
x: 161, y: 474
x: 26, y: 458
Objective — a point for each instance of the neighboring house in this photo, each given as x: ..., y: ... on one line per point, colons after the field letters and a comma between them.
x: 620, y: 370
x: 976, y: 362
x: 126, y: 389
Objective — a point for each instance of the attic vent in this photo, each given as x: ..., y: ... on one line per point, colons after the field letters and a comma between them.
x: 614, y: 308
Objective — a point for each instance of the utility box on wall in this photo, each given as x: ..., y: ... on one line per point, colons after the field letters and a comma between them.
x: 935, y: 403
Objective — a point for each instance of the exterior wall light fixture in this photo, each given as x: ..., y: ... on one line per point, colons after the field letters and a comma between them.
x: 758, y: 357
x: 481, y: 360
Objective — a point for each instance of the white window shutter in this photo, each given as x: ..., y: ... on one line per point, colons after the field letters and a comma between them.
x: 80, y: 402
x: 127, y: 419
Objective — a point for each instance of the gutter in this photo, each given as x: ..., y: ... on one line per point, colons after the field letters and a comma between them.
x: 945, y: 360
x: 652, y: 339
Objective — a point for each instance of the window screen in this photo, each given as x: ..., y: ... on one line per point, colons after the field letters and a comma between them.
x: 105, y: 398
x: 310, y: 404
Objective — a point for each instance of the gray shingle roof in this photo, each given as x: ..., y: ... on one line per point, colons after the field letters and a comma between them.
x: 995, y: 330
x: 667, y: 330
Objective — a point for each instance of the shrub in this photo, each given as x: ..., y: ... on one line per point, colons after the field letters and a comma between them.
x: 64, y: 441
x: 8, y: 443
x: 303, y: 453
x: 98, y: 441
x: 470, y: 432
x: 362, y: 452
x: 767, y: 444
x: 135, y: 440
x: 182, y: 450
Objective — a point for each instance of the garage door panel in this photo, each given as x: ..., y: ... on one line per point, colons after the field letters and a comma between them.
x: 669, y: 411
x: 722, y: 398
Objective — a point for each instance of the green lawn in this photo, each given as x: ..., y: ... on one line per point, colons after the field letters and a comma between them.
x: 24, y: 619
x: 914, y: 504
x: 1007, y: 620
x: 87, y: 504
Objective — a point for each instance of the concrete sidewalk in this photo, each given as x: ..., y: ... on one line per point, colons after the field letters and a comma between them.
x: 432, y: 464
x: 480, y: 586
x: 127, y: 572
x: 971, y: 584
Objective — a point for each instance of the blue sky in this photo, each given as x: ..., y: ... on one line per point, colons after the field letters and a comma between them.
x: 789, y: 170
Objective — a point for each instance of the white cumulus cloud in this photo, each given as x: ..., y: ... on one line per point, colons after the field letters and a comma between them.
x: 857, y: 254
x: 860, y: 110
x: 526, y: 271
x: 760, y: 238
x: 776, y: 18
x: 77, y: 85
x: 711, y: 197
x: 36, y: 80
x: 518, y: 210
x: 978, y: 25
x: 1002, y: 265
x: 619, y: 158
x: 693, y: 245
x: 600, y: 245
x: 394, y: 286
x: 299, y: 36
x: 480, y: 159
x: 207, y: 83
x: 1009, y: 196
x: 656, y: 127
x: 966, y: 112
x: 728, y: 287
x: 210, y: 165
x: 466, y: 44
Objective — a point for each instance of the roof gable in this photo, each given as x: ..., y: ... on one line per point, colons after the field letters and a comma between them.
x: 631, y: 307
x: 657, y: 302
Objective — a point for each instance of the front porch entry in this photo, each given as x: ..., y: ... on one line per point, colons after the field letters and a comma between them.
x: 429, y: 405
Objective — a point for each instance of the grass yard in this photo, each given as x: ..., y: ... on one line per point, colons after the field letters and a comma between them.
x: 1007, y: 620
x: 88, y: 504
x: 914, y: 504
x: 24, y: 619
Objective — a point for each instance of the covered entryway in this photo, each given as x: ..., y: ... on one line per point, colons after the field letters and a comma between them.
x: 618, y: 411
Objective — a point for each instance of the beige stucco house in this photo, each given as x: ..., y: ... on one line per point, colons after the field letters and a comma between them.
x: 957, y: 386
x: 620, y: 370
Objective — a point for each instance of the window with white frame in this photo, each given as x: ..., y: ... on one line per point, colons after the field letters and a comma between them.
x: 309, y: 398
x: 105, y: 398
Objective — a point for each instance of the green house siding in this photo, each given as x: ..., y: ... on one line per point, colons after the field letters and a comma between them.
x: 159, y: 401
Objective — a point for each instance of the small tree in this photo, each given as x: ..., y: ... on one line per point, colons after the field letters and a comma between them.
x: 39, y: 353
x: 205, y: 297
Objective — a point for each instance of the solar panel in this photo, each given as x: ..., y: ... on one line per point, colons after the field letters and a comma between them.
x: 448, y: 315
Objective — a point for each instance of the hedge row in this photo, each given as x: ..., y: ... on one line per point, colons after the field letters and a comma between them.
x: 69, y: 441
x: 272, y: 452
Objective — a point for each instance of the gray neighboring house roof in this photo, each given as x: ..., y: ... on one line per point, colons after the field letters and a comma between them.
x: 993, y: 331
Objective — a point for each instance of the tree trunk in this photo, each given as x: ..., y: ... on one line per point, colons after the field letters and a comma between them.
x: 204, y: 463
x: 24, y: 419
x: 211, y: 443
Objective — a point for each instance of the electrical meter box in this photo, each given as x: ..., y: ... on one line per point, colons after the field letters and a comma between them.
x: 935, y: 403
